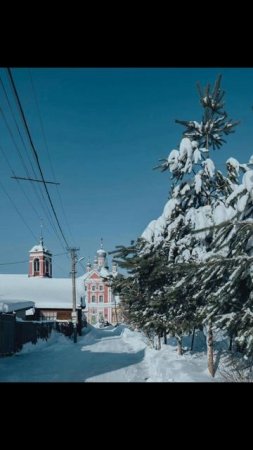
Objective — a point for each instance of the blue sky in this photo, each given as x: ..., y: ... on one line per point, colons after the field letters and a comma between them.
x: 105, y: 130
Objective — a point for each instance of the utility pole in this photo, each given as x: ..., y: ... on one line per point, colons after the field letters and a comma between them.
x: 73, y: 254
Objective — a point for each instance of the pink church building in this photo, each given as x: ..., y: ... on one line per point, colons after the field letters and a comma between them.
x: 53, y: 296
x: 101, y: 304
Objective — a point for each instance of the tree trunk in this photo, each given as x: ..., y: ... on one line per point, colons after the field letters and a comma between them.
x: 158, y: 342
x: 210, y: 349
x: 193, y: 337
x: 164, y: 337
x: 179, y: 344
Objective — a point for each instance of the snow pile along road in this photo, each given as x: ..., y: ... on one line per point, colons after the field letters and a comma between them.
x: 110, y: 354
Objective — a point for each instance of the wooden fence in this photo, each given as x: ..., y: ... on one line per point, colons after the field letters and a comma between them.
x: 14, y: 334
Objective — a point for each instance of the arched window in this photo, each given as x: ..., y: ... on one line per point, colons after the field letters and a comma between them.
x: 36, y: 265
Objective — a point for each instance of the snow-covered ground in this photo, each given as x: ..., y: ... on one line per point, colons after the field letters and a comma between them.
x: 110, y: 354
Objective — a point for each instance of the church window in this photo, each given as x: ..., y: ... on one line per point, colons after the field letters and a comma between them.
x: 36, y: 264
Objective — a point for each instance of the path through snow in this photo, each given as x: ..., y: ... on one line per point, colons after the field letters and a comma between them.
x: 100, y: 355
x: 111, y: 354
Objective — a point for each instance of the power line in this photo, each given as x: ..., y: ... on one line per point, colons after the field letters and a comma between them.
x: 18, y: 212
x: 48, y: 153
x: 29, y: 200
x: 15, y: 262
x: 27, y: 260
x: 79, y: 262
x: 60, y: 268
x: 14, y: 142
x: 36, y: 155
x: 16, y: 124
x: 42, y: 202
x: 33, y: 179
x: 41, y: 125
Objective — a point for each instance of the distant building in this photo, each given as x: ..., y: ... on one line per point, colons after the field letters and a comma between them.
x: 101, y: 304
x: 18, y: 307
x: 53, y: 296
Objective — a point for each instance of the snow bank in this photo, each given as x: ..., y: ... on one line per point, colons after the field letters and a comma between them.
x: 166, y: 365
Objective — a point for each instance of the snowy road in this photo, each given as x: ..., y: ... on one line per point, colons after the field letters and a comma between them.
x: 100, y: 355
x: 111, y: 354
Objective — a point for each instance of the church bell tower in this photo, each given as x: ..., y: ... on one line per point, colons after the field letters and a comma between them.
x: 40, y: 261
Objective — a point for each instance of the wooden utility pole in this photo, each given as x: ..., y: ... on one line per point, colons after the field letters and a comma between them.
x: 73, y: 254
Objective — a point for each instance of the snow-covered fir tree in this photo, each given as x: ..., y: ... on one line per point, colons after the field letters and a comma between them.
x: 193, y: 262
x: 196, y: 199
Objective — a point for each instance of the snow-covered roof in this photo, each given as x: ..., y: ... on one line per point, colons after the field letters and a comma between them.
x: 45, y: 292
x: 39, y: 248
x: 101, y: 272
x: 14, y: 305
x: 104, y: 272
